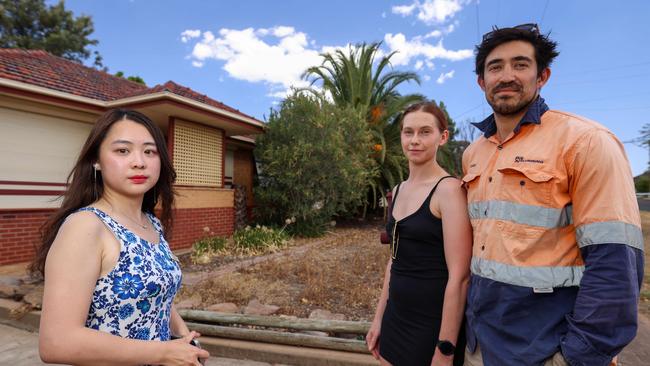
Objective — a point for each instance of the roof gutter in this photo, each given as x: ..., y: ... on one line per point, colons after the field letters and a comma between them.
x: 184, y: 100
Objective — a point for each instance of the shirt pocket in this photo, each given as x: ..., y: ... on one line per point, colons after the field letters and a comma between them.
x: 471, y: 184
x: 526, y: 185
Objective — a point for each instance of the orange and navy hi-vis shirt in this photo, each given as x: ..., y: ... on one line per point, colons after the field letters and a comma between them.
x: 557, y: 260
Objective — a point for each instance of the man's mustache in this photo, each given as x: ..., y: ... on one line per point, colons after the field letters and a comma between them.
x: 512, y: 86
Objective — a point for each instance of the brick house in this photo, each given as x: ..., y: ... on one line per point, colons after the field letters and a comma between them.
x: 47, y: 108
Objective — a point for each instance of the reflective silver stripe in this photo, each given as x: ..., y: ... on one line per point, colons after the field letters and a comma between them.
x: 534, y: 277
x: 521, y: 214
x: 615, y: 232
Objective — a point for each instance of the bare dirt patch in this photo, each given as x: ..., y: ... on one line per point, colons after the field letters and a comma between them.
x: 342, y: 273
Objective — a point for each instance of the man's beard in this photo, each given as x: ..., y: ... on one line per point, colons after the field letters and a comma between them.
x: 506, y: 109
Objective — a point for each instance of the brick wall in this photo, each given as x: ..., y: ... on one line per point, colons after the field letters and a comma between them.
x: 19, y: 229
x: 190, y: 224
x: 19, y: 232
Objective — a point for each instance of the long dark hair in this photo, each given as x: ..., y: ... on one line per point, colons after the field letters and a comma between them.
x: 83, y: 189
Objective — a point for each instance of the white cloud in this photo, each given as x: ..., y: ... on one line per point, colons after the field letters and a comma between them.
x: 404, y: 10
x: 408, y: 49
x: 426, y: 77
x: 432, y: 11
x: 433, y: 34
x: 419, y: 64
x: 283, y: 31
x: 187, y: 35
x: 445, y: 76
x: 276, y: 56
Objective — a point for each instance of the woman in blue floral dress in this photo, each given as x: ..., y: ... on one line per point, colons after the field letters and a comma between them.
x: 110, y: 276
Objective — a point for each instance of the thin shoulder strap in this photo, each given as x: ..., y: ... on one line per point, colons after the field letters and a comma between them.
x: 392, y: 201
x: 157, y: 225
x: 108, y: 221
x: 436, y: 186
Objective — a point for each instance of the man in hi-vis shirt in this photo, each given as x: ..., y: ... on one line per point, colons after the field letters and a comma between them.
x: 557, y: 262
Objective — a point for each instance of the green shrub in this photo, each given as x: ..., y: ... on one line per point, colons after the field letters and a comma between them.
x: 260, y: 238
x: 314, y: 163
x: 642, y: 184
x: 204, y: 249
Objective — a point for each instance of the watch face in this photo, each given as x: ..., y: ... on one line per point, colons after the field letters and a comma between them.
x: 446, y: 348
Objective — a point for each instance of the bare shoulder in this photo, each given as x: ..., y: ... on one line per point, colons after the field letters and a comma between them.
x: 79, y: 228
x: 451, y: 186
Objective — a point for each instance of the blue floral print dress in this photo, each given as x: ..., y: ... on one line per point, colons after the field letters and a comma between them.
x: 134, y: 299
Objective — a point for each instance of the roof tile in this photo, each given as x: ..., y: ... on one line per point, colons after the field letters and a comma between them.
x: 40, y: 68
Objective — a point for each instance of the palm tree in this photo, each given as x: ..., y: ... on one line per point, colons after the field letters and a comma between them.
x: 353, y: 79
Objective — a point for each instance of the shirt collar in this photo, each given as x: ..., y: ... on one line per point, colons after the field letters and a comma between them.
x: 533, y: 115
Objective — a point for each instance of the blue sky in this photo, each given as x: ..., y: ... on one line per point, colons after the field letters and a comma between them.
x: 248, y: 53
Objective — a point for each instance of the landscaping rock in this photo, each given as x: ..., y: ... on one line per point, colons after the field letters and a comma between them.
x: 224, y: 307
x: 9, y: 286
x: 35, y: 297
x: 255, y: 307
x: 321, y: 314
x: 190, y: 303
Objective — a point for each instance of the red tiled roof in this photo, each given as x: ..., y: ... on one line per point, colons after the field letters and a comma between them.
x: 43, y: 69
x: 186, y: 92
x: 40, y: 68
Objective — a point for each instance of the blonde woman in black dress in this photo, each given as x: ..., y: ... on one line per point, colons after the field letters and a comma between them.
x: 419, y: 317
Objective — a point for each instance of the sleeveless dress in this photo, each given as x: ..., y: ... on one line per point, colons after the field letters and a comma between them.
x: 134, y: 299
x: 418, y: 278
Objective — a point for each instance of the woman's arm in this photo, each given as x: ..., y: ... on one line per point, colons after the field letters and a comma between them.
x: 72, y: 267
x: 457, y: 234
x: 177, y: 324
x: 372, y: 338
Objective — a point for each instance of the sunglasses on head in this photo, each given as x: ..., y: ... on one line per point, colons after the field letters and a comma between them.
x: 528, y: 27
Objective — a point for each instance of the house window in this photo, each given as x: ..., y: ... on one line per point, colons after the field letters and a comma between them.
x: 198, y: 154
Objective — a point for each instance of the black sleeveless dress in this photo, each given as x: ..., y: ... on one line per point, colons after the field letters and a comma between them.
x: 418, y: 278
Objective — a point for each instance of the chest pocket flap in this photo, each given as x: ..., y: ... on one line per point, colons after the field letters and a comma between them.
x: 526, y: 185
x: 534, y: 175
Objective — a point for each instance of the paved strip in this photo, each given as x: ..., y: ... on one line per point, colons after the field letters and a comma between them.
x: 20, y: 348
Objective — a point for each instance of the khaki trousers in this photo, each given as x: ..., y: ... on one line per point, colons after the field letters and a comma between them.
x: 476, y: 359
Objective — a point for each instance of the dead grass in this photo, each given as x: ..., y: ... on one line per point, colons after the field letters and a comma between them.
x: 342, y: 274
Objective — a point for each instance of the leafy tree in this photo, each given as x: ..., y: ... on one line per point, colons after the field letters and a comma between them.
x: 313, y: 163
x: 642, y: 183
x: 31, y: 24
x: 644, y: 139
x: 135, y: 79
x: 353, y: 80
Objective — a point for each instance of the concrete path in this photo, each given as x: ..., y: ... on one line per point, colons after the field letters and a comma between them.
x: 20, y: 348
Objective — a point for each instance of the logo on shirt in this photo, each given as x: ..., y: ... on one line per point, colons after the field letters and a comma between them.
x: 521, y: 159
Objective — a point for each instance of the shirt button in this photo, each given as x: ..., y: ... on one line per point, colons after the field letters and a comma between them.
x: 482, y: 247
x: 489, y: 179
x: 522, y: 183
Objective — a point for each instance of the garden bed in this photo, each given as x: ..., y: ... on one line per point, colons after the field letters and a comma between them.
x: 341, y: 272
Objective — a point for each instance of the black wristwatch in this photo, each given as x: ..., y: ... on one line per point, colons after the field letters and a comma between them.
x: 446, y: 348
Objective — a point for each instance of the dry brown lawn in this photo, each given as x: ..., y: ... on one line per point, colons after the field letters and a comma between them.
x: 343, y: 274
